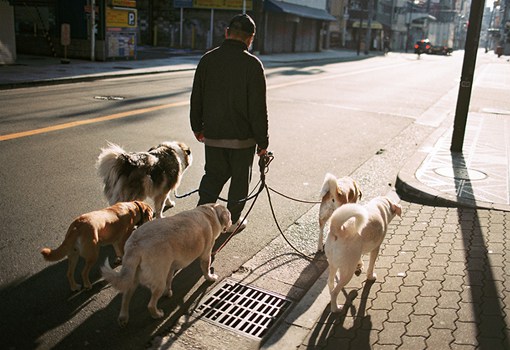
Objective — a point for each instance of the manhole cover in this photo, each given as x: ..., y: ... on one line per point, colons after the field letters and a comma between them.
x: 245, y: 309
x: 461, y: 173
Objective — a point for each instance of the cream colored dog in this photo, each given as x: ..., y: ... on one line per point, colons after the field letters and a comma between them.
x: 112, y: 225
x: 160, y: 248
x: 335, y: 192
x: 356, y: 230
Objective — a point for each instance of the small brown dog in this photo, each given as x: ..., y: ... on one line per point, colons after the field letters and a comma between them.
x: 335, y: 192
x: 112, y: 225
x: 158, y: 249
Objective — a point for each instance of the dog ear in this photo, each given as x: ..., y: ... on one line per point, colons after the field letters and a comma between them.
x: 223, y: 215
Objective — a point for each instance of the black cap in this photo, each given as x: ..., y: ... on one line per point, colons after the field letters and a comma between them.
x: 243, y: 23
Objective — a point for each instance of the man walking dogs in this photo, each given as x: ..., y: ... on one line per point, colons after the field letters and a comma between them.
x: 229, y: 115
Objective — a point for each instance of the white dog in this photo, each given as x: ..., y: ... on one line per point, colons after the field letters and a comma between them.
x: 335, y: 192
x: 356, y: 230
x: 159, y: 248
x: 129, y: 176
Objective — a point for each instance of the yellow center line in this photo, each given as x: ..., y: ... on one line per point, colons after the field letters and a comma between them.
x: 90, y: 121
x: 175, y: 104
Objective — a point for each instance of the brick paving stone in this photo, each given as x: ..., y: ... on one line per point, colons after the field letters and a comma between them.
x: 463, y: 347
x: 414, y: 278
x: 428, y: 241
x: 491, y: 306
x: 404, y: 258
x: 439, y: 260
x: 415, y: 343
x: 364, y: 338
x: 424, y: 253
x: 456, y: 268
x: 425, y: 306
x: 449, y: 300
x: 444, y: 319
x: 384, y: 347
x: 435, y: 273
x: 439, y: 339
x: 392, y: 333
x: 375, y: 321
x: 400, y: 312
x: 468, y: 312
x: 390, y: 250
x: 383, y: 301
x: 398, y: 270
x: 446, y: 237
x: 419, y: 265
x: 492, y: 327
x: 475, y: 264
x: 410, y: 246
x: 497, y: 260
x: 443, y: 248
x: 466, y: 333
x: 408, y: 294
x: 419, y: 326
x: 453, y: 283
x: 430, y: 288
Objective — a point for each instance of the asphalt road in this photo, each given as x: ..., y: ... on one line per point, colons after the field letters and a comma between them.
x: 323, y: 118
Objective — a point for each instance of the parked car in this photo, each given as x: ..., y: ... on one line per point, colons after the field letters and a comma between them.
x: 425, y: 46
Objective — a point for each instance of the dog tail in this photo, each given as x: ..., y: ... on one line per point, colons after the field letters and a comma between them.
x: 63, y: 250
x: 123, y: 279
x: 109, y: 168
x: 329, y: 185
x: 347, y: 211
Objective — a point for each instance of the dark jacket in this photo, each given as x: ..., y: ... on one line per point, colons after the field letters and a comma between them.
x: 228, y: 100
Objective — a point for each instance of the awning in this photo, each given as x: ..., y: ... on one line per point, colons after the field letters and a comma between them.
x: 364, y: 24
x: 297, y: 10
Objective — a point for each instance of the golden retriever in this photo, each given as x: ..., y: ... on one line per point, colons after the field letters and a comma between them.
x: 159, y: 248
x: 112, y: 225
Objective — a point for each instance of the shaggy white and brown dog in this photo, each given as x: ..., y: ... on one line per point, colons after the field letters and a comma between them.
x: 129, y: 176
x: 335, y: 192
x: 161, y: 247
x: 356, y: 230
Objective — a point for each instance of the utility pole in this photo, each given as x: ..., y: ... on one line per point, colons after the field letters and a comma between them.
x: 368, y: 37
x: 468, y: 71
x: 92, y: 30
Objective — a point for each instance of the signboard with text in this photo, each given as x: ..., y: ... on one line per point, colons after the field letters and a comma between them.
x: 214, y: 4
x: 124, y: 18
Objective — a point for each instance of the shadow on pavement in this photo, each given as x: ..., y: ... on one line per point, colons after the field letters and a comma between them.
x: 485, y: 303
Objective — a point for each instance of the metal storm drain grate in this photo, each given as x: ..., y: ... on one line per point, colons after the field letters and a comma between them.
x: 242, y: 308
x: 109, y: 98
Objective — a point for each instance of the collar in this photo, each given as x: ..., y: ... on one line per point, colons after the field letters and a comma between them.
x: 140, y: 209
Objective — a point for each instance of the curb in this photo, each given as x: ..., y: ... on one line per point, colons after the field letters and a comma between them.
x: 410, y: 189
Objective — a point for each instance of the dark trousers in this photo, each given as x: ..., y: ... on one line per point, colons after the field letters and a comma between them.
x: 222, y: 164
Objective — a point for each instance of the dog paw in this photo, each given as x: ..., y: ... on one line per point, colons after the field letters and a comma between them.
x: 336, y: 308
x: 123, y: 321
x: 211, y: 277
x: 372, y: 277
x: 76, y: 288
x: 156, y: 313
x: 168, y: 293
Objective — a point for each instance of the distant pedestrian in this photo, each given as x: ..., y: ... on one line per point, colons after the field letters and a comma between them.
x: 386, y: 43
x: 229, y: 115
